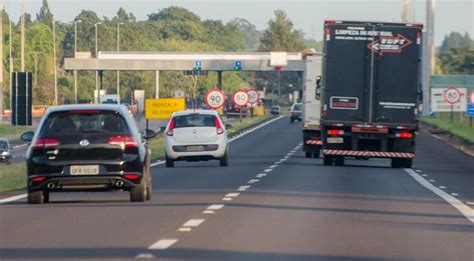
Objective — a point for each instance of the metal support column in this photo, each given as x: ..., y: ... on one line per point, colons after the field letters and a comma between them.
x: 219, y: 80
x: 157, y: 84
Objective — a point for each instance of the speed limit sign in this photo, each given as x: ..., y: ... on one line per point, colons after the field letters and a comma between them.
x: 452, y: 95
x: 215, y: 98
x: 240, y: 98
x: 253, y: 96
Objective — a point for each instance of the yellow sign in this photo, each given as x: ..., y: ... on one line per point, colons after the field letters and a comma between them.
x: 156, y: 109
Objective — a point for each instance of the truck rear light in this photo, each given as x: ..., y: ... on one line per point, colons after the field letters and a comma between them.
x: 131, y: 176
x: 45, y: 143
x: 404, y: 135
x: 38, y: 179
x: 219, y: 128
x: 123, y: 141
x: 335, y: 132
x: 169, y: 132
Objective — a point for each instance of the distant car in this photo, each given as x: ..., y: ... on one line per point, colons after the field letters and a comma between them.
x: 296, y: 112
x: 5, y: 151
x: 87, y: 148
x: 275, y: 110
x: 198, y: 135
x: 231, y: 110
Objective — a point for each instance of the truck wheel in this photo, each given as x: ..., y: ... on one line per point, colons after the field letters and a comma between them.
x: 339, y: 161
x: 35, y: 197
x: 308, y: 154
x: 396, y: 163
x: 328, y: 160
x: 138, y: 194
x: 292, y: 120
x: 169, y: 162
x: 317, y: 153
x: 407, y: 163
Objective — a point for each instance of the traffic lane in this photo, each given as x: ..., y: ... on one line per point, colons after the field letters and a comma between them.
x: 306, y: 211
x: 106, y: 222
x: 446, y: 167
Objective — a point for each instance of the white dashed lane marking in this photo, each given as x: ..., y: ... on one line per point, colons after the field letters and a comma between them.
x: 261, y: 175
x: 163, y: 244
x: 442, y: 187
x: 455, y: 194
x: 273, y: 166
x: 215, y: 207
x: 145, y: 256
x: 432, y: 180
x: 243, y: 188
x: 232, y: 195
x: 193, y: 223
x: 253, y: 181
x: 268, y: 170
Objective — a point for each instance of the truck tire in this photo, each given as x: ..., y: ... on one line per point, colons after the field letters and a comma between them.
x: 138, y: 193
x: 35, y: 197
x: 407, y: 163
x: 339, y: 161
x: 317, y: 153
x: 292, y: 120
x: 328, y: 160
x: 169, y: 162
x: 308, y: 154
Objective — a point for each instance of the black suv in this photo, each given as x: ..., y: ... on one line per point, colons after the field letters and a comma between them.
x: 88, y: 148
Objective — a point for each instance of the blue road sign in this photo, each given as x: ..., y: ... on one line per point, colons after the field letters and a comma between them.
x: 238, y: 63
x: 198, y: 63
x: 470, y: 109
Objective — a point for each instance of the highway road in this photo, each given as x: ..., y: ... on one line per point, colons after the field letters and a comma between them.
x: 271, y: 203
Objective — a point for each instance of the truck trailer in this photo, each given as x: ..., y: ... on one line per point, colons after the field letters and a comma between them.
x: 311, y: 100
x: 370, y: 91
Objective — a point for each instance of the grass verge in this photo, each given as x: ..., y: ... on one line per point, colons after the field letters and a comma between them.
x: 14, y: 176
x: 12, y: 132
x: 457, y: 129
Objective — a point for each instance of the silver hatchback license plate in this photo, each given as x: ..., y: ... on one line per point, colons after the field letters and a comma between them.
x: 335, y: 140
x: 84, y: 170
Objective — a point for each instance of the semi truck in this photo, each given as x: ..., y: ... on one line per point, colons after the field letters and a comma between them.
x: 370, y: 91
x: 311, y: 100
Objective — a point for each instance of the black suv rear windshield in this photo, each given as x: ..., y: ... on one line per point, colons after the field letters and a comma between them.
x: 198, y: 120
x: 84, y: 121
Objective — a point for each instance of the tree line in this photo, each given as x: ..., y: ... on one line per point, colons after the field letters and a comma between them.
x: 169, y: 29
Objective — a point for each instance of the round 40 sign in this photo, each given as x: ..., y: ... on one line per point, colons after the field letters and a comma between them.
x: 215, y: 99
x: 253, y: 96
x: 240, y: 98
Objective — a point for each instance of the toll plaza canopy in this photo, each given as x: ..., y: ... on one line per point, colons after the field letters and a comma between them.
x: 167, y: 61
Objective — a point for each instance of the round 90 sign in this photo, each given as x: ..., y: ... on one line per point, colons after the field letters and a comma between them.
x: 240, y: 98
x: 215, y: 98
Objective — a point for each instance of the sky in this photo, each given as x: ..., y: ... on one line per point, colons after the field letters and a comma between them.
x: 307, y: 15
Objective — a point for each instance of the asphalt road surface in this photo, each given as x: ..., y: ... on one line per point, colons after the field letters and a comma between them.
x: 271, y: 203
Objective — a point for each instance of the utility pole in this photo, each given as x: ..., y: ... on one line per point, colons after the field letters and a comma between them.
x: 1, y: 62
x: 97, y: 99
x: 10, y: 60
x: 405, y: 8
x: 35, y: 55
x: 429, y: 52
x: 118, y: 72
x: 75, y: 51
x: 22, y: 35
x: 54, y: 64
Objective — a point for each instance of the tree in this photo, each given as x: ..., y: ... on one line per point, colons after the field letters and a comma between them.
x: 280, y: 35
x: 250, y: 32
x: 124, y: 17
x: 45, y: 16
x: 456, y: 54
x: 229, y: 37
x: 455, y: 40
x: 174, y: 13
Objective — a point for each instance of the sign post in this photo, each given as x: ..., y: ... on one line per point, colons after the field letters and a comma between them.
x: 452, y: 96
x: 253, y: 99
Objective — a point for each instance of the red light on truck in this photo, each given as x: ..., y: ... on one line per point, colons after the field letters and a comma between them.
x: 335, y: 132
x: 404, y: 135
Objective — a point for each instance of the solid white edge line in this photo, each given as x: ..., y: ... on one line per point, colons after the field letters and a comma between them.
x: 14, y: 198
x: 163, y: 244
x: 464, y: 209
